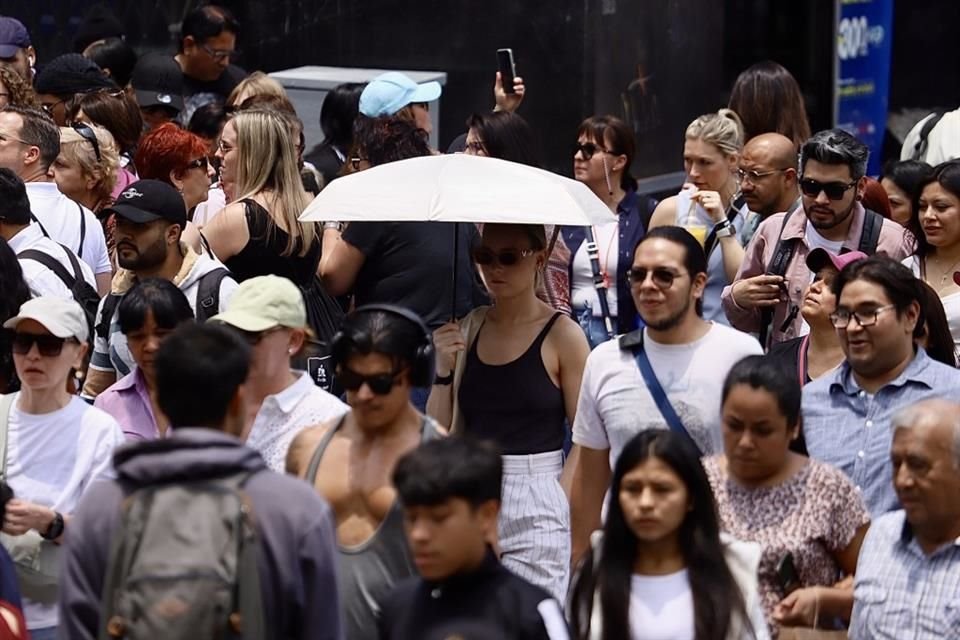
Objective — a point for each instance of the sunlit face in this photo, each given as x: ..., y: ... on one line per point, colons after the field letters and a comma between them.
x: 822, y: 212
x: 208, y: 60
x: 901, y: 209
x: 72, y: 181
x: 926, y: 475
x: 818, y: 300
x: 55, y: 106
x: 445, y: 538
x: 939, y: 215
x: 228, y: 155
x: 43, y: 373
x: 142, y: 245
x: 196, y: 183
x: 756, y: 437
x: 762, y: 182
x: 507, y: 244
x: 13, y: 151
x: 372, y: 410
x: 706, y: 166
x: 663, y: 308
x: 874, y: 350
x: 654, y: 501
x: 144, y: 343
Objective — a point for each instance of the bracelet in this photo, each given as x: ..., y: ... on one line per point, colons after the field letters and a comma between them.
x: 724, y: 229
x: 55, y: 530
x: 333, y: 225
x: 443, y: 380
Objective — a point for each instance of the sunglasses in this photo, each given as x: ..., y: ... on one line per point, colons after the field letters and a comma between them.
x: 381, y: 384
x: 199, y: 163
x: 587, y: 149
x: 48, y: 107
x: 253, y: 338
x: 834, y: 190
x: 220, y: 54
x: 87, y: 134
x: 49, y: 346
x: 662, y: 277
x: 505, y: 257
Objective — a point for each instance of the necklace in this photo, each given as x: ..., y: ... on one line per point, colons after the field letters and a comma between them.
x: 949, y: 271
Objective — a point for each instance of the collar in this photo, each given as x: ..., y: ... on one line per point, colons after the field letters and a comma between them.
x: 133, y: 380
x: 125, y: 279
x: 907, y: 537
x: 25, y: 238
x: 288, y: 399
x: 796, y: 227
x: 919, y: 370
x: 629, y: 202
x: 490, y: 566
x: 44, y: 189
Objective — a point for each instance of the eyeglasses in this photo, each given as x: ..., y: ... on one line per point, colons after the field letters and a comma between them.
x: 224, y: 147
x: 841, y: 317
x: 48, y: 107
x: 476, y: 148
x: 6, y: 136
x: 834, y: 190
x: 355, y: 162
x: 199, y: 163
x: 505, y: 257
x: 220, y: 54
x: 587, y: 149
x: 48, y: 345
x: 381, y: 384
x: 88, y: 134
x: 756, y: 176
x: 662, y: 276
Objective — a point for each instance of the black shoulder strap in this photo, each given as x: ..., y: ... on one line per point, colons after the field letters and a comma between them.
x: 920, y: 149
x: 110, y: 304
x: 50, y: 263
x: 870, y: 235
x: 208, y: 293
x: 74, y: 264
x: 782, y: 255
x: 711, y: 242
x: 83, y: 228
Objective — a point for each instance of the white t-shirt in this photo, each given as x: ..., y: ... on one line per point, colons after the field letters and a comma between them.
x: 60, y: 217
x: 582, y: 289
x: 615, y: 405
x: 661, y: 607
x: 52, y: 459
x: 817, y: 241
x: 41, y: 280
x: 204, y: 212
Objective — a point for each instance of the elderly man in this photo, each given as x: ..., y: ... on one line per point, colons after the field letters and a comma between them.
x: 908, y: 575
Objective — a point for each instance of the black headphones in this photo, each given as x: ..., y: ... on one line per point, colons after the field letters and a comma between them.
x: 423, y: 364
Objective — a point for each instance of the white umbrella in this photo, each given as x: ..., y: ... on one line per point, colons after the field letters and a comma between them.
x: 458, y: 188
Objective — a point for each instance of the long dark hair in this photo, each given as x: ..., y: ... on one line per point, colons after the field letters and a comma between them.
x: 947, y: 175
x: 717, y: 599
x: 940, y: 344
x: 768, y: 99
x: 13, y: 293
x: 613, y: 133
x: 507, y: 136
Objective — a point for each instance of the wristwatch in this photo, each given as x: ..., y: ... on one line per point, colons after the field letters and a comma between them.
x: 55, y: 530
x: 443, y: 380
x: 333, y: 225
x: 724, y: 229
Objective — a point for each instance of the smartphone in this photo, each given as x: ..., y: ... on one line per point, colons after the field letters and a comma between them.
x: 787, y: 576
x: 508, y: 71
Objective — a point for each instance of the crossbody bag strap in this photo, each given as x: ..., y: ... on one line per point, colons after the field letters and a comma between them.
x: 659, y: 395
x: 6, y: 405
x: 83, y: 229
x: 732, y: 211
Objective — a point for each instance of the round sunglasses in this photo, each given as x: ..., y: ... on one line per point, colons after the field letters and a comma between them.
x: 505, y: 257
x: 381, y: 384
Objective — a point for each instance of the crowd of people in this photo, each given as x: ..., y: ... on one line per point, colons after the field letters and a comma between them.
x: 728, y: 413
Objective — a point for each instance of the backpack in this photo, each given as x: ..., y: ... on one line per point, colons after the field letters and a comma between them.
x: 82, y: 291
x: 208, y: 301
x: 920, y: 149
x: 783, y: 254
x: 183, y: 564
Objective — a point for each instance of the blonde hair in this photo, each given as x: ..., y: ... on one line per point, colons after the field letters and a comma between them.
x: 256, y: 84
x: 722, y: 129
x: 75, y: 148
x: 267, y: 160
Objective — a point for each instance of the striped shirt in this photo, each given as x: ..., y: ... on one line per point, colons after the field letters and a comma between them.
x: 901, y: 593
x: 851, y: 429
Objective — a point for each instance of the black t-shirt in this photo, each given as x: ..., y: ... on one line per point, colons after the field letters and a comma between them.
x: 222, y: 86
x: 410, y: 264
x: 787, y: 355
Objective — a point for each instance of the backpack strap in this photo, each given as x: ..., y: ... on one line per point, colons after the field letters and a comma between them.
x: 870, y: 235
x: 110, y: 304
x: 208, y: 293
x: 920, y: 149
x: 83, y: 228
x: 52, y: 264
x: 782, y: 255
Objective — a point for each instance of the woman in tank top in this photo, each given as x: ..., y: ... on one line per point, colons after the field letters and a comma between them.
x: 259, y: 233
x: 709, y: 206
x: 511, y: 373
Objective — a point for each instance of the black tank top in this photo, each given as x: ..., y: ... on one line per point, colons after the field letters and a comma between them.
x: 263, y: 253
x: 516, y: 404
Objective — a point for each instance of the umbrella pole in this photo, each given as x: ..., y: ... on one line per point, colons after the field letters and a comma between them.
x: 456, y: 264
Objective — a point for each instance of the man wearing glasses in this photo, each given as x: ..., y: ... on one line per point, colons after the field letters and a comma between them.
x: 768, y: 289
x: 208, y: 43
x: 768, y: 179
x: 687, y: 356
x: 847, y: 413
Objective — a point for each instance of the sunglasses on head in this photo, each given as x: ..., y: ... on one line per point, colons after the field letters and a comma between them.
x: 505, y: 257
x: 834, y: 190
x: 662, y: 277
x: 87, y: 134
x: 381, y: 384
x: 48, y: 345
x: 587, y: 149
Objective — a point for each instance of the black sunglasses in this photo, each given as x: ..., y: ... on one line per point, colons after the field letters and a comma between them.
x: 381, y: 384
x: 505, y: 257
x: 49, y: 346
x: 834, y: 190
x: 587, y: 149
x: 253, y: 338
x: 87, y: 133
x: 199, y: 163
x: 662, y: 277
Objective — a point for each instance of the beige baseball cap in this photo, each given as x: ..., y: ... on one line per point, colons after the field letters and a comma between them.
x: 62, y: 317
x: 263, y: 303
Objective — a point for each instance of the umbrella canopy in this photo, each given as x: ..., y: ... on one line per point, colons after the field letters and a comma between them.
x: 458, y: 188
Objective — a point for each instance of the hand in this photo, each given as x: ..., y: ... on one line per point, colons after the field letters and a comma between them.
x: 758, y: 291
x: 448, y: 341
x: 799, y: 609
x: 712, y: 204
x: 22, y: 516
x: 508, y: 101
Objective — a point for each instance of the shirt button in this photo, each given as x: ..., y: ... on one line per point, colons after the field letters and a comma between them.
x: 862, y: 393
x: 869, y: 423
x: 859, y: 454
x: 858, y: 488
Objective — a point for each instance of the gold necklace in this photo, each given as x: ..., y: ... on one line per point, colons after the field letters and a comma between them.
x: 945, y: 272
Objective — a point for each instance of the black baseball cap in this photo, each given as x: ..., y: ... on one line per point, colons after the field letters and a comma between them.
x: 149, y: 200
x: 158, y: 82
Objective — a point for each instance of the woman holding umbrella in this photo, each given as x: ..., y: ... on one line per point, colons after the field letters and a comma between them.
x: 511, y: 373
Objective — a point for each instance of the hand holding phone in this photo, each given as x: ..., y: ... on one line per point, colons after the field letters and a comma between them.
x: 507, y: 68
x: 787, y: 576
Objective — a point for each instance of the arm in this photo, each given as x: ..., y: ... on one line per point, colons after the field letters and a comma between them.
x: 298, y: 455
x: 573, y: 350
x: 228, y: 233
x: 665, y: 215
x: 591, y: 477
x: 732, y: 256
x: 508, y: 101
x: 340, y: 263
x: 103, y: 282
x: 751, y: 290
x: 448, y: 342
x: 100, y: 371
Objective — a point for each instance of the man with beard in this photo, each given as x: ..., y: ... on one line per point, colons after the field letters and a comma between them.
x: 768, y: 179
x: 774, y: 273
x: 150, y: 217
x: 675, y: 365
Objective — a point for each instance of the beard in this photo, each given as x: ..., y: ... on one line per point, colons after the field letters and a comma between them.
x: 673, y: 320
x: 148, y: 258
x: 838, y: 218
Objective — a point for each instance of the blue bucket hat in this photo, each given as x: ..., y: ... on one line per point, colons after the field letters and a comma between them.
x: 389, y: 92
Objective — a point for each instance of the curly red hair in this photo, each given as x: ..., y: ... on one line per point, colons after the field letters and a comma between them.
x: 167, y: 149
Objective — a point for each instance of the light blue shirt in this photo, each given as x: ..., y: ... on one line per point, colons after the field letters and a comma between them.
x: 851, y: 429
x: 901, y: 593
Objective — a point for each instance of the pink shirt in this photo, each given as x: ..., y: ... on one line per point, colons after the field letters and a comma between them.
x: 894, y: 241
x: 128, y: 401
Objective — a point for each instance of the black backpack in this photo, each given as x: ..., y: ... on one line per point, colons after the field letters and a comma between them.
x: 82, y: 291
x: 920, y: 149
x: 208, y: 301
